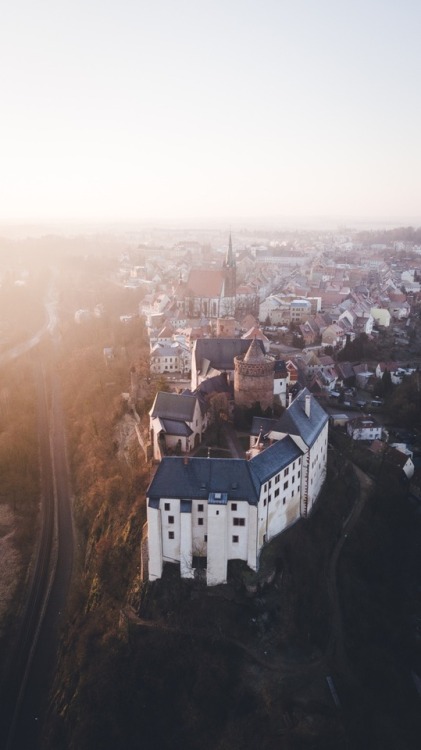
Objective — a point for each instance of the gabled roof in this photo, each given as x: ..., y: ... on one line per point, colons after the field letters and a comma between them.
x: 164, y: 351
x: 220, y: 353
x: 294, y: 420
x: 206, y: 283
x: 196, y: 478
x: 176, y: 406
x: 273, y: 460
x: 173, y: 427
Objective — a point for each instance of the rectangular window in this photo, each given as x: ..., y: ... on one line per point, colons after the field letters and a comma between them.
x: 239, y: 521
x: 299, y: 474
x: 283, y: 500
x: 285, y: 485
x: 270, y: 483
x: 200, y: 508
x: 206, y: 537
x: 200, y: 521
x: 277, y: 479
x: 170, y: 535
x: 233, y: 506
x: 170, y: 519
x: 277, y: 492
x: 286, y: 471
x: 166, y: 506
x: 235, y: 539
x: 264, y: 502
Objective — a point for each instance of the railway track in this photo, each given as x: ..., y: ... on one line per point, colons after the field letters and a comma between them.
x: 16, y: 719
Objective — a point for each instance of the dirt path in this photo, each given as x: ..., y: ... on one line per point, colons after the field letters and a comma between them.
x: 10, y: 562
x: 335, y: 651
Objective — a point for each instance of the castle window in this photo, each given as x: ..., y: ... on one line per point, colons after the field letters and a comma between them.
x: 200, y: 521
x: 235, y: 539
x: 277, y: 479
x: 286, y: 471
x: 285, y: 485
x: 200, y: 508
x: 276, y: 492
x: 170, y: 519
x: 283, y: 500
x: 233, y: 506
x: 206, y: 537
x: 166, y: 506
x: 170, y: 535
x: 270, y: 483
x: 264, y: 502
x: 239, y: 521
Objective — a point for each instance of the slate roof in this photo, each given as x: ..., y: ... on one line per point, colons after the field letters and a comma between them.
x: 294, y: 420
x: 173, y: 427
x: 280, y: 368
x: 220, y: 352
x: 175, y: 406
x: 264, y: 423
x: 217, y: 384
x: 164, y: 351
x: 273, y: 459
x: 196, y: 478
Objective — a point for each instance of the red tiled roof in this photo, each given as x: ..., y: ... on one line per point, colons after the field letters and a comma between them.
x: 207, y: 283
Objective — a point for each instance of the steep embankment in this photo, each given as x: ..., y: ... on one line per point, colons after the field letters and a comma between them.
x: 186, y: 666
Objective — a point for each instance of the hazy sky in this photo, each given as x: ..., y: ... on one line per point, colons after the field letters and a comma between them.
x: 139, y: 109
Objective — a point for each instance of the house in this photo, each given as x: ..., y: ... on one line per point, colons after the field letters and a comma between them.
x: 381, y: 316
x: 176, y: 423
x: 224, y: 509
x: 174, y: 358
x: 364, y: 428
x: 395, y: 456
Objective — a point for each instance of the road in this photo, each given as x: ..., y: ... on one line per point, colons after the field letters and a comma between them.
x: 33, y: 708
x: 24, y: 698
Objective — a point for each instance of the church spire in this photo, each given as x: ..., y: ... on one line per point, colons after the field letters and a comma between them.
x: 230, y: 260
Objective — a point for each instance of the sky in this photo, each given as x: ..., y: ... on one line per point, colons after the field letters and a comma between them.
x: 140, y: 110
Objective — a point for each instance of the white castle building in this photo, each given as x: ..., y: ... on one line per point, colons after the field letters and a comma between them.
x: 225, y: 509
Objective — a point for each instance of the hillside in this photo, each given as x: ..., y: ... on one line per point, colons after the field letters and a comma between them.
x: 175, y: 664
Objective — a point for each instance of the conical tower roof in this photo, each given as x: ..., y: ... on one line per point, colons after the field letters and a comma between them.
x: 254, y: 353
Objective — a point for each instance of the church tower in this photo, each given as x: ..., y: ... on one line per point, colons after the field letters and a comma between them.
x: 230, y: 283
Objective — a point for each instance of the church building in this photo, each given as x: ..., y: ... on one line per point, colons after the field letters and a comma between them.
x: 210, y: 292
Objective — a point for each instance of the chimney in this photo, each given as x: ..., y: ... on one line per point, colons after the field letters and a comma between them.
x: 308, y: 405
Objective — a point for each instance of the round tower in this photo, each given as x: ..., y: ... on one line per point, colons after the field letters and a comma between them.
x: 253, y: 378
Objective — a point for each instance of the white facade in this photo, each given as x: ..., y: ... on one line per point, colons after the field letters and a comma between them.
x: 227, y: 509
x: 364, y: 428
